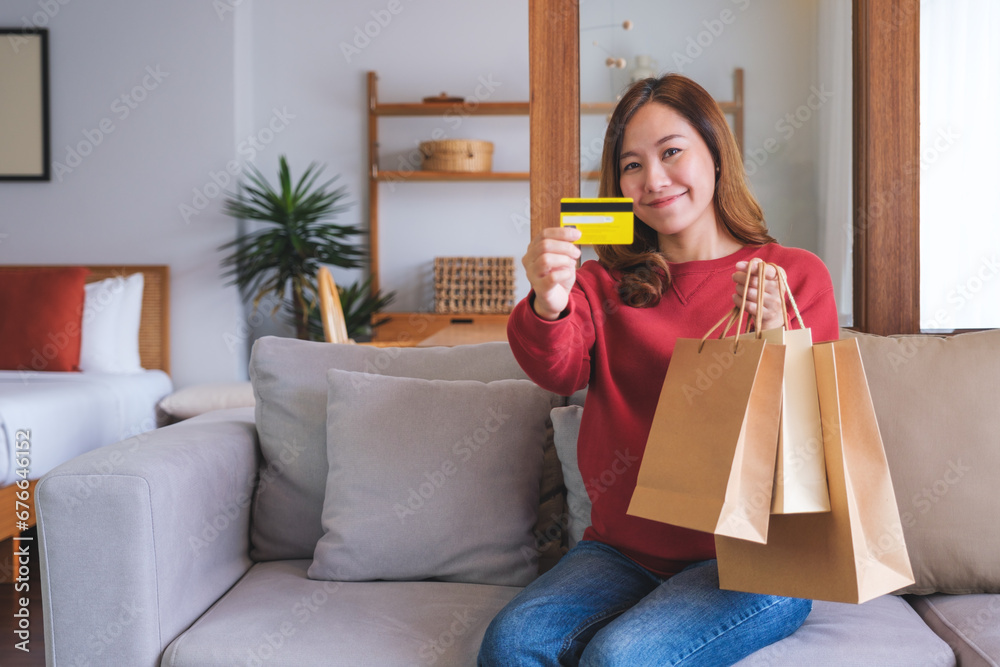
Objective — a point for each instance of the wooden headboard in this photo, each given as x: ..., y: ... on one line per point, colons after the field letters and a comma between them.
x: 154, y: 327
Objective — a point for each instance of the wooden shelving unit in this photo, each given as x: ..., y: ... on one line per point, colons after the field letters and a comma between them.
x: 378, y: 110
x: 376, y: 176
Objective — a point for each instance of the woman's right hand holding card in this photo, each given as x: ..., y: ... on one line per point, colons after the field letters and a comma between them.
x: 550, y: 263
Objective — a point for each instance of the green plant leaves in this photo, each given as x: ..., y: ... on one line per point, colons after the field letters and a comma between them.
x: 298, y: 239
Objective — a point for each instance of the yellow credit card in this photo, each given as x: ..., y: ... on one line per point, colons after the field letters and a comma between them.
x: 603, y: 220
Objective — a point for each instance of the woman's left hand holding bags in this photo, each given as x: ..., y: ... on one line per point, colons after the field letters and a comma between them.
x: 772, y: 317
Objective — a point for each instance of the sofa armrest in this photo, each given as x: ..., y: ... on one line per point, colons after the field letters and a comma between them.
x: 139, y: 538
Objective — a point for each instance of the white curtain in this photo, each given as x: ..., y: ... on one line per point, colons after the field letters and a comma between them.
x: 835, y: 136
x: 959, y: 164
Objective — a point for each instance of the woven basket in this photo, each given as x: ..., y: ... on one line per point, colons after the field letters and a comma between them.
x: 479, y: 285
x: 457, y: 155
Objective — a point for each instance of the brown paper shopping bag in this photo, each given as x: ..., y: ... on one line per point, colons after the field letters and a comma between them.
x: 854, y: 552
x: 709, y: 458
x: 800, y: 471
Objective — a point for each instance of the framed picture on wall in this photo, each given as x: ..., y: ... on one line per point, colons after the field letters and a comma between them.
x: 24, y: 104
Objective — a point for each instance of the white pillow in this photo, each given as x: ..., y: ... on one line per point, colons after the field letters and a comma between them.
x: 109, y: 340
x: 99, y: 333
x: 129, y: 317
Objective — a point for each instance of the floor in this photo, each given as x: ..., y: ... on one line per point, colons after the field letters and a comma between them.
x: 10, y: 655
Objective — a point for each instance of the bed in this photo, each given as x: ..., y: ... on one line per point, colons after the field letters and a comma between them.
x: 65, y: 414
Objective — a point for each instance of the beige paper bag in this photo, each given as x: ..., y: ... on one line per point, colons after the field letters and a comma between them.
x: 709, y: 459
x: 854, y: 552
x: 800, y: 473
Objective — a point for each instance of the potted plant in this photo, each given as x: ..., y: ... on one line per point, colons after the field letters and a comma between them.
x: 298, y: 239
x: 359, y: 306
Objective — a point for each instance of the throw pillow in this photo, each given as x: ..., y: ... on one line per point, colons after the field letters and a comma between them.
x: 431, y: 479
x: 99, y: 335
x: 566, y: 423
x: 290, y: 388
x: 935, y: 399
x: 42, y: 312
x: 111, y: 316
x: 130, y: 317
x: 201, y: 398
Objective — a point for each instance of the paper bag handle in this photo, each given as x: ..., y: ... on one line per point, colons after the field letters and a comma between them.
x: 736, y: 314
x: 785, y: 291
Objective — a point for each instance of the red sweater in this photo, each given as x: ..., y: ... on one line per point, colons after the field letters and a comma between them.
x: 621, y: 353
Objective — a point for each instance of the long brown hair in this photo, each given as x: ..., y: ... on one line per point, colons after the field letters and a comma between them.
x: 641, y: 268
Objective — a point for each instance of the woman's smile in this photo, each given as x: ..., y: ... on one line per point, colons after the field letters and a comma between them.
x: 664, y: 202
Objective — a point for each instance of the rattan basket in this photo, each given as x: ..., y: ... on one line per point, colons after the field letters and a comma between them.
x: 457, y: 155
x: 473, y: 284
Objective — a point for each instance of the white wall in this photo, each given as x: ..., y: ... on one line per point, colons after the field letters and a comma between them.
x: 277, y: 71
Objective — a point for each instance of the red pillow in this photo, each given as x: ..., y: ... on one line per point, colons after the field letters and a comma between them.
x: 41, y: 311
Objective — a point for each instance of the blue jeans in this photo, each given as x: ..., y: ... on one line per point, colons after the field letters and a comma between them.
x: 597, y: 607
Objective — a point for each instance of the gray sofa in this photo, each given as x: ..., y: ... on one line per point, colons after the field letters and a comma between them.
x: 381, y: 513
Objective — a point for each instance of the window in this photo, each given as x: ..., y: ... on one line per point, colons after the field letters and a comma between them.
x: 959, y: 165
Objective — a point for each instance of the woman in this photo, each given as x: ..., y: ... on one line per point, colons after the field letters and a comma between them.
x: 634, y: 591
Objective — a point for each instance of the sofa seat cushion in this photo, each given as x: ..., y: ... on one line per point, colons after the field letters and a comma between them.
x: 884, y: 632
x: 276, y: 616
x: 969, y: 623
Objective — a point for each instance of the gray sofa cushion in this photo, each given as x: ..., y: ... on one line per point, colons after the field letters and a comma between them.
x: 969, y: 623
x: 432, y: 479
x: 936, y: 403
x: 566, y: 426
x: 276, y: 616
x: 290, y: 390
x: 884, y: 632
